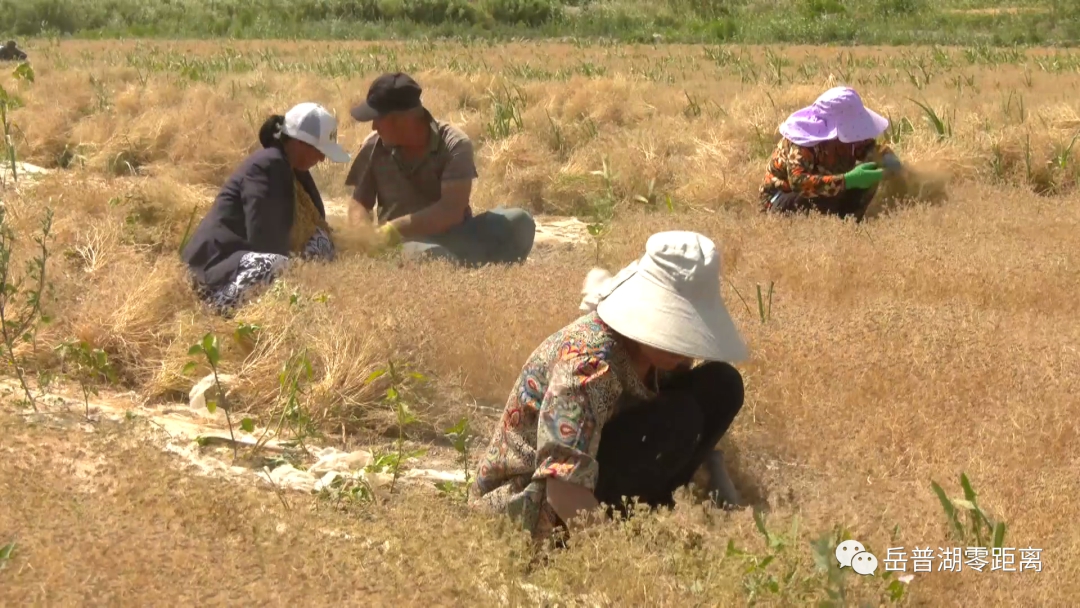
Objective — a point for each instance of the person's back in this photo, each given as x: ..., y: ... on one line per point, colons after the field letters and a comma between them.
x: 611, y: 406
x: 268, y: 211
x: 223, y: 232
x: 583, y: 353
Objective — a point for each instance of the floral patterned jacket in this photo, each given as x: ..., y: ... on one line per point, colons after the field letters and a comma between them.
x: 568, y: 389
x: 816, y: 171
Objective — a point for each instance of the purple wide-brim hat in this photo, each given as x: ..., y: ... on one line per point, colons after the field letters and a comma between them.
x: 838, y: 114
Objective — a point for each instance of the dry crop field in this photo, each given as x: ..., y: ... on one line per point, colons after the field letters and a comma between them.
x: 938, y: 338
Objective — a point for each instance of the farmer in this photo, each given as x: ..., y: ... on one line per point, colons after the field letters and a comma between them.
x: 268, y: 210
x: 420, y: 170
x: 824, y: 161
x: 11, y: 52
x: 609, y: 406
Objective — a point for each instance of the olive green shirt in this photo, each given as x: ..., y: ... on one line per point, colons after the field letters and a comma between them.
x: 379, y: 173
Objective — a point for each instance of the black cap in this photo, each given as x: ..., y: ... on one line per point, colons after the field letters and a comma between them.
x: 388, y: 93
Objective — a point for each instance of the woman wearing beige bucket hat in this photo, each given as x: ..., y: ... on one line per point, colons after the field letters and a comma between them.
x: 608, y: 407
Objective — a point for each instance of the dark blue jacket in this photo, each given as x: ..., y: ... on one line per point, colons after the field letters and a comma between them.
x: 252, y: 212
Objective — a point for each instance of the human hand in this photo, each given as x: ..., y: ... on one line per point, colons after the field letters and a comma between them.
x: 721, y: 488
x: 388, y: 235
x: 865, y: 175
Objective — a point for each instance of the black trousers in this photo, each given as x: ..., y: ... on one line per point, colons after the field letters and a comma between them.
x: 652, y: 448
x: 850, y: 202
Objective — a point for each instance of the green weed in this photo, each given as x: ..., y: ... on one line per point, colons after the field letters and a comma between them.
x: 459, y: 435
x: 211, y: 354
x: 21, y: 294
x: 939, y: 123
x: 506, y: 107
x: 187, y: 232
x: 395, y: 460
x: 6, y: 552
x: 88, y: 366
x: 976, y: 526
x: 779, y: 575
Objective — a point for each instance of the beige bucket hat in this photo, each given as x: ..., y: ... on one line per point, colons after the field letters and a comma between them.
x: 669, y: 299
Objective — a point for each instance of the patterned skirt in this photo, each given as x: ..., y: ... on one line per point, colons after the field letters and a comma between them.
x: 258, y: 270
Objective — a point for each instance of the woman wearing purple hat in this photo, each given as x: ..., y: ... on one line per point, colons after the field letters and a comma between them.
x: 824, y: 161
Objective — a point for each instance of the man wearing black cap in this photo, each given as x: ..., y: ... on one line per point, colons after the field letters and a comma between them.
x: 420, y: 171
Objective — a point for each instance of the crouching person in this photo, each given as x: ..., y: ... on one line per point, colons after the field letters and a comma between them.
x: 609, y: 407
x: 827, y: 158
x: 268, y: 211
x: 420, y: 171
x: 11, y: 52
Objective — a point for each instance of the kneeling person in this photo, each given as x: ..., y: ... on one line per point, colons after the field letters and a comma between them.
x: 420, y: 171
x: 268, y: 211
x: 609, y: 407
x: 824, y: 160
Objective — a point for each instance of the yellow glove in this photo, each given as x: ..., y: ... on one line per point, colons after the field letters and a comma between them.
x: 389, y: 235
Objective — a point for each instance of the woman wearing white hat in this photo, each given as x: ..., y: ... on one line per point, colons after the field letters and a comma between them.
x: 824, y: 160
x: 268, y: 210
x: 608, y: 406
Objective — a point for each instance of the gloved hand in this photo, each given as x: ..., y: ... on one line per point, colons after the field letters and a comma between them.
x: 388, y: 235
x: 863, y: 176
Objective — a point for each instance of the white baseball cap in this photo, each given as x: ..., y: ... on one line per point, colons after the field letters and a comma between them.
x: 670, y: 299
x: 310, y: 123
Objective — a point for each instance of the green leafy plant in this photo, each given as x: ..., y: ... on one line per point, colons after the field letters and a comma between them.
x: 296, y: 375
x: 343, y: 488
x: 88, y: 366
x: 208, y: 348
x: 21, y: 296
x: 24, y: 71
x: 765, y: 303
x: 898, y: 130
x: 557, y: 139
x: 978, y: 526
x: 693, y: 106
x: 832, y: 577
x: 939, y: 123
x: 6, y: 552
x: 778, y: 576
x: 603, y: 208
x: 1061, y: 158
x: 506, y: 112
x: 187, y: 232
x: 8, y: 103
x: 459, y: 435
x: 396, y: 459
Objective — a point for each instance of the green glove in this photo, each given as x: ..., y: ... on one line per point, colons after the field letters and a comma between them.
x: 863, y: 176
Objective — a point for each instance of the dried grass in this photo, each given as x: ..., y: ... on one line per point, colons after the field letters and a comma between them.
x: 931, y: 340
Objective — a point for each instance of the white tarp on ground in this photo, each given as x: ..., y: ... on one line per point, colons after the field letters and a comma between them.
x: 185, y: 431
x: 23, y: 171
